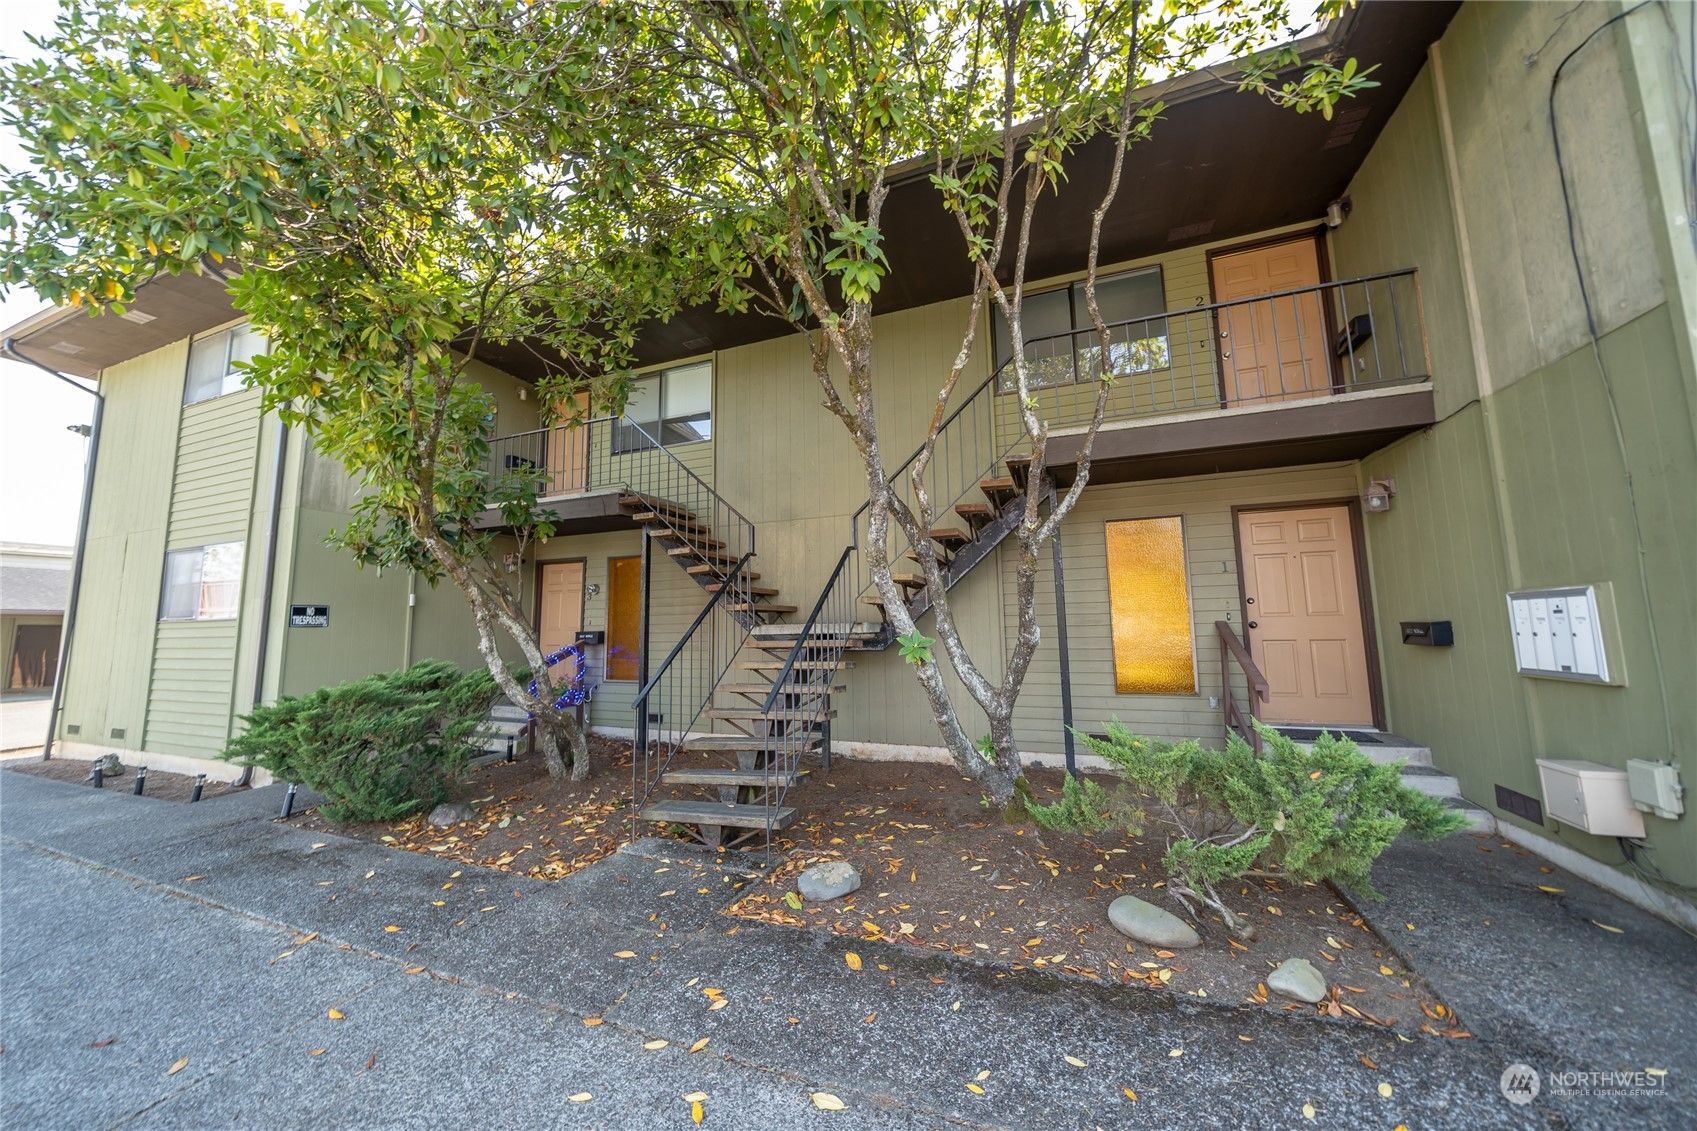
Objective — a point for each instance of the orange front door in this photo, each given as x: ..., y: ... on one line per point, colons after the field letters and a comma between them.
x: 568, y: 453
x: 1275, y: 349
x: 562, y: 612
x: 1304, y: 603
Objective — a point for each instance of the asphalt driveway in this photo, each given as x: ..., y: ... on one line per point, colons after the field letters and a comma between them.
x: 136, y: 934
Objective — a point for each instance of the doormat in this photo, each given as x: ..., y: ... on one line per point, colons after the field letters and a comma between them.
x: 1359, y: 737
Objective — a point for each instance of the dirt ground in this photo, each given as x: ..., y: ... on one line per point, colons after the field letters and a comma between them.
x: 168, y: 787
x: 942, y: 872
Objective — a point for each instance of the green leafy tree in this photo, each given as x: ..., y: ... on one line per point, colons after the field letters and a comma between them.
x: 1309, y: 815
x: 379, y: 225
x: 784, y: 121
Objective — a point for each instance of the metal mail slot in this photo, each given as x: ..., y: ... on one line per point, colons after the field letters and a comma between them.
x: 592, y: 636
x: 1431, y: 633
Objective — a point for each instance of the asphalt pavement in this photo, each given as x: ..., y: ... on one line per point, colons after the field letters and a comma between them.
x: 138, y: 936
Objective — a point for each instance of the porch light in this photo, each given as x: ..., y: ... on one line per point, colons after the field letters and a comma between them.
x: 1380, y: 492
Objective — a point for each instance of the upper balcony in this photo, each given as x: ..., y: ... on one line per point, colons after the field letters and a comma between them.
x: 1318, y: 373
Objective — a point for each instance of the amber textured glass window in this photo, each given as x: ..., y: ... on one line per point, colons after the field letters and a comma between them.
x: 1149, y: 594
x: 624, y: 618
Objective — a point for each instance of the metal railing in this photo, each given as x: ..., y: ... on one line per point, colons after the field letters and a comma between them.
x: 1341, y: 337
x: 1238, y: 718
x: 1309, y: 342
x: 614, y: 454
x: 671, y: 702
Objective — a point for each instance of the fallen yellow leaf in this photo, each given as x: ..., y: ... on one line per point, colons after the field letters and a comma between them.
x: 413, y: 970
x: 1551, y: 890
x: 718, y: 1003
x: 624, y: 954
x: 336, y: 1015
x: 580, y: 1097
x: 696, y: 1097
x: 1129, y: 1094
x: 391, y: 928
x: 853, y: 961
x: 1387, y: 971
x: 699, y: 1045
x: 696, y: 1112
x: 315, y: 1052
x: 192, y: 879
x: 825, y: 1101
x: 653, y: 1046
x: 592, y: 1021
x: 1076, y: 1063
x: 181, y: 1063
x: 1385, y: 1090
x: 975, y: 1089
x: 1308, y: 1111
x: 1611, y: 930
x: 1176, y: 1052
x: 984, y: 1075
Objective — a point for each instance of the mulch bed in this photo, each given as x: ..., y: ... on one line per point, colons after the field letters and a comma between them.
x: 942, y: 872
x: 166, y: 787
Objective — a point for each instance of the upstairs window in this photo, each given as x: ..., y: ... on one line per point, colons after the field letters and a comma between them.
x: 1061, y: 346
x: 212, y: 362
x: 203, y: 583
x: 674, y: 406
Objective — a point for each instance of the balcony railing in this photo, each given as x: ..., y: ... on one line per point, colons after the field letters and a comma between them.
x: 1341, y: 337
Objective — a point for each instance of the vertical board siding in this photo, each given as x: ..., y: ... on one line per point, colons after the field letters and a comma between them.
x: 1205, y: 503
x: 191, y: 695
x: 107, y: 681
x: 1402, y: 218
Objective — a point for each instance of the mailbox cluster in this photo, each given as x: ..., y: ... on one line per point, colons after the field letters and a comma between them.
x: 1558, y: 633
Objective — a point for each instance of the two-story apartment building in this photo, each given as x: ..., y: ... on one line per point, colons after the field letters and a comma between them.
x: 1401, y: 442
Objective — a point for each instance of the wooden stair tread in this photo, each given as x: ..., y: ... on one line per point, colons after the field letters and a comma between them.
x: 817, y: 643
x: 746, y: 607
x: 753, y: 714
x: 698, y: 570
x: 789, y: 688
x: 1002, y: 483
x: 708, y: 743
x: 950, y: 534
x: 755, y: 590
x: 720, y: 813
x: 704, y: 555
x: 728, y: 777
x: 689, y: 539
x: 908, y: 580
x: 974, y: 510
x: 799, y: 665
x: 655, y: 503
x: 670, y: 520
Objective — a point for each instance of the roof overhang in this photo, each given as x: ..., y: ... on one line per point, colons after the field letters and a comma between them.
x: 166, y: 309
x: 1219, y: 165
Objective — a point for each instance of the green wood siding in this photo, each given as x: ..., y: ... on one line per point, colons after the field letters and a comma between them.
x: 192, y: 693
x: 108, y: 680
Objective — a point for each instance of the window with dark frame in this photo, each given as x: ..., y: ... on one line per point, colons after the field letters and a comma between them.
x: 673, y: 406
x: 1061, y: 346
x: 212, y: 362
x: 202, y: 583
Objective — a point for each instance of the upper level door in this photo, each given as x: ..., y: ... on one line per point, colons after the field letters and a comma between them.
x: 568, y: 454
x: 1304, y: 615
x: 561, y: 611
x: 1274, y: 349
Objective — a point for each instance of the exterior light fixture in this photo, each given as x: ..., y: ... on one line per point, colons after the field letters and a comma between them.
x: 592, y: 589
x: 1380, y: 492
x: 1337, y: 210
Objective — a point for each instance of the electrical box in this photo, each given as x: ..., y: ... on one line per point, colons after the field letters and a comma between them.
x: 1558, y: 634
x: 1589, y: 796
x: 1655, y: 787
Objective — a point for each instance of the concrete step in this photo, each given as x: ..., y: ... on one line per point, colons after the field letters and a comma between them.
x: 1480, y: 818
x: 1431, y: 781
x: 506, y: 712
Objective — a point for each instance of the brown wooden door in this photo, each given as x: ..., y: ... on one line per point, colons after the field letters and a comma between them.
x: 35, y: 656
x: 1304, y: 601
x: 568, y: 453
x: 1273, y: 350
x: 561, y: 612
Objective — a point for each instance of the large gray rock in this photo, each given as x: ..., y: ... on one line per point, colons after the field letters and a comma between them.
x: 1296, y: 978
x: 1143, y: 921
x: 109, y: 765
x: 829, y: 881
x: 446, y: 816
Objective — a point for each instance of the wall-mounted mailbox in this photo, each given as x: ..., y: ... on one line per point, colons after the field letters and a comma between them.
x: 592, y: 636
x: 1431, y: 633
x: 1558, y: 634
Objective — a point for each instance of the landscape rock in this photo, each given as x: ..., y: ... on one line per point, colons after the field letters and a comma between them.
x: 445, y: 816
x: 1296, y: 978
x: 109, y: 765
x: 831, y: 880
x: 1138, y: 919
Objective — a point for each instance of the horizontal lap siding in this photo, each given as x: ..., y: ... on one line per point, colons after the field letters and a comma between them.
x: 191, y: 692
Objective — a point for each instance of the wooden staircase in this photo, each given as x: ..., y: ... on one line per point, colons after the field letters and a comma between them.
x: 689, y: 541
x: 767, y: 735
x: 964, y: 536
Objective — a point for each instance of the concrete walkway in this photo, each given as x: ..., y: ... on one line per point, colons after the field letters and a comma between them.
x: 23, y: 721
x: 471, y: 1013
